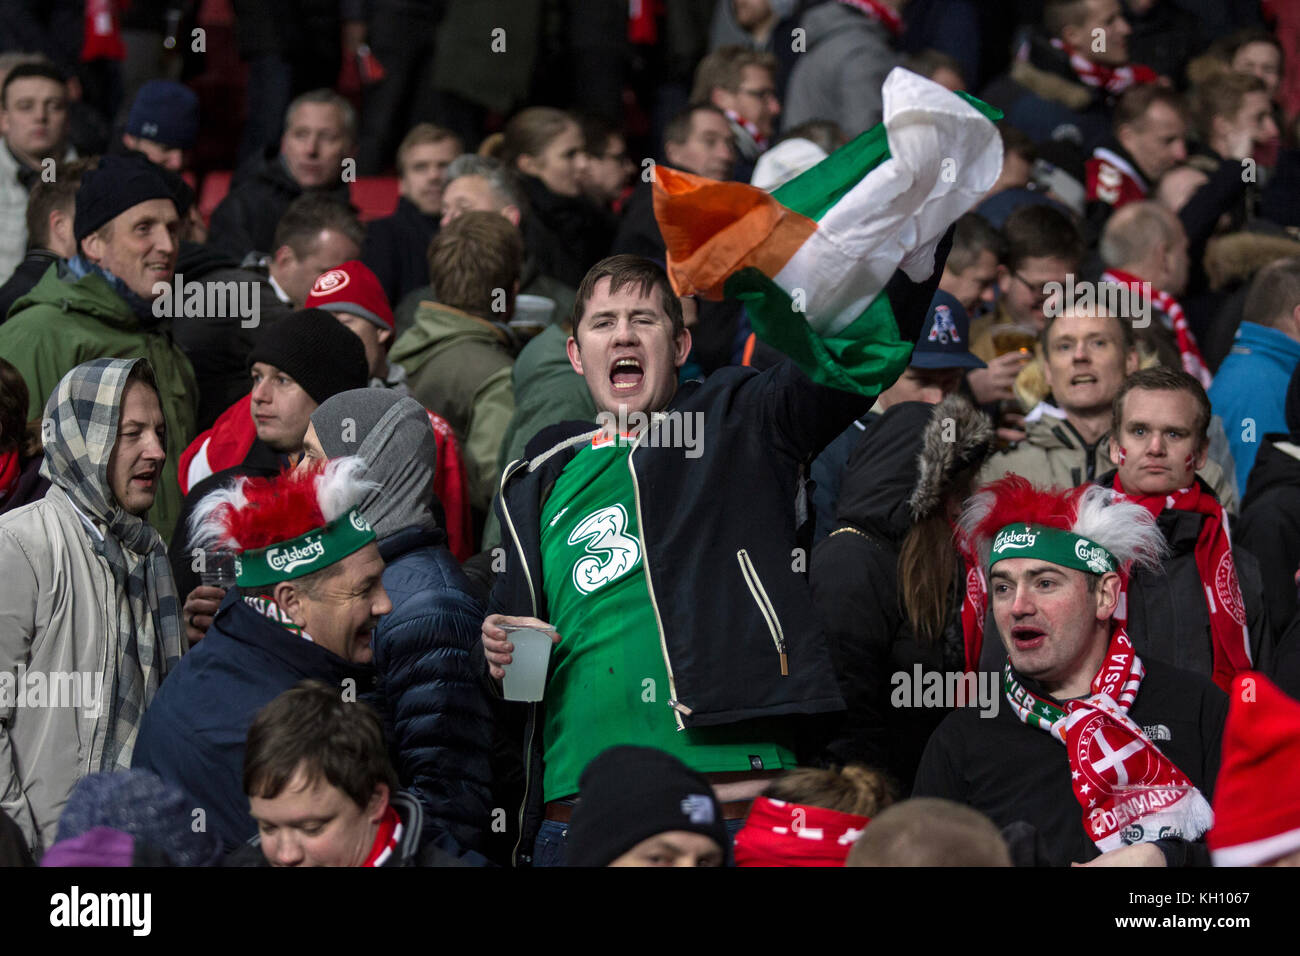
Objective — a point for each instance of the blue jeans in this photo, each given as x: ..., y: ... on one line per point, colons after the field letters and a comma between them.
x: 553, y: 838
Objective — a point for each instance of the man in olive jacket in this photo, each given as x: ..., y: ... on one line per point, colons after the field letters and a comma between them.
x: 113, y: 299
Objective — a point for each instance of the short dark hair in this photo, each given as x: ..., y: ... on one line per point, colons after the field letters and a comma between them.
x: 43, y: 69
x: 310, y: 727
x: 1017, y: 141
x: 1133, y: 104
x: 972, y: 236
x: 679, y: 127
x: 596, y: 134
x: 476, y: 254
x: 1274, y: 292
x: 308, y: 215
x: 60, y: 193
x: 1161, y: 378
x: 419, y: 135
x: 1059, y: 14
x: 1040, y: 231
x: 15, y: 430
x: 628, y: 270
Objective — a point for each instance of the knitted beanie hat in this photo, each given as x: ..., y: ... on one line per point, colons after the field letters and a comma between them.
x: 316, y: 350
x: 629, y: 794
x: 141, y: 804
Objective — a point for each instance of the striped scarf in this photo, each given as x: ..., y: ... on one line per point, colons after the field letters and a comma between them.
x: 1113, y: 79
x: 80, y: 430
x: 1193, y: 362
x: 1129, y: 791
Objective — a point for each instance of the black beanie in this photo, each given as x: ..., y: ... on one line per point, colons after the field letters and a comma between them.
x: 629, y: 794
x: 113, y: 187
x: 316, y: 350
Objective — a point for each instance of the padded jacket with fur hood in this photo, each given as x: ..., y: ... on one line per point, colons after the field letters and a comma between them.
x: 900, y: 468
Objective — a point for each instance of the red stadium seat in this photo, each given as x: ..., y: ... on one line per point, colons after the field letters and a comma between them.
x: 374, y: 196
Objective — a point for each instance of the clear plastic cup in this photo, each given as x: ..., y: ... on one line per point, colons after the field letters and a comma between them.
x: 218, y: 569
x: 525, y: 678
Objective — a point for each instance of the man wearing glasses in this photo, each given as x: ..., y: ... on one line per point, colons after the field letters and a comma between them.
x: 742, y: 83
x: 1043, y: 247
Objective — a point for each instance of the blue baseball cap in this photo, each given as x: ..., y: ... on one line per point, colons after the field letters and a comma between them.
x: 165, y: 112
x: 945, y: 338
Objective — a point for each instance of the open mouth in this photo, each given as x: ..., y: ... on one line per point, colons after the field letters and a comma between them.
x: 626, y: 375
x: 1028, y: 638
x: 147, y: 479
x: 1084, y: 380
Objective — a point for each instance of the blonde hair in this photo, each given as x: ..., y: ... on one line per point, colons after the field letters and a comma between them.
x: 851, y: 789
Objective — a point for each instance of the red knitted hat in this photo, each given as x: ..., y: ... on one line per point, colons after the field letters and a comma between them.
x: 352, y: 288
x: 1257, y: 796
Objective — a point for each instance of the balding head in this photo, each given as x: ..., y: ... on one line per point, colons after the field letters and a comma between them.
x: 1148, y: 240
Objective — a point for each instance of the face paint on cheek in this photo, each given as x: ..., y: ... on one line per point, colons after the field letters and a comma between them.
x: 1189, y: 461
x: 1123, y: 454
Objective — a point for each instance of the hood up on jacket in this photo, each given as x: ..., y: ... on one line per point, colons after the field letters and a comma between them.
x: 392, y: 435
x: 899, y: 472
x: 1278, y: 461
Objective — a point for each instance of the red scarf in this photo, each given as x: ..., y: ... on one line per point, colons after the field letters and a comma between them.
x: 759, y: 139
x: 642, y: 22
x: 974, y: 608
x: 1113, y: 180
x: 103, y: 32
x: 10, y: 470
x: 880, y: 13
x: 386, y: 840
x: 1129, y: 791
x: 1193, y: 363
x: 777, y: 833
x: 1228, y: 631
x: 1114, y: 80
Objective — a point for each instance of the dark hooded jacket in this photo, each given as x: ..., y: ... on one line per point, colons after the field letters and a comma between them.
x: 194, y: 731
x: 1269, y: 527
x: 429, y: 693
x: 854, y: 577
x: 245, y: 220
x: 1043, y: 96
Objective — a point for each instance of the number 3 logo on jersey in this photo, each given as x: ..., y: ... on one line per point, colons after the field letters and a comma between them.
x: 610, y: 552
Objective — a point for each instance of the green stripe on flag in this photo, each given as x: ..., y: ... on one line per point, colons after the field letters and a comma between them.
x: 867, y: 354
x: 814, y: 191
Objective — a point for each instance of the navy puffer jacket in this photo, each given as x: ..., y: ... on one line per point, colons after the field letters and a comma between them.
x: 436, y: 710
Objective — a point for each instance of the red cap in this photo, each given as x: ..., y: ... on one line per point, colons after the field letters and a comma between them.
x: 1257, y: 796
x: 354, y: 289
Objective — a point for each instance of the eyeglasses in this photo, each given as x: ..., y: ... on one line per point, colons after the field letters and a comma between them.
x: 1039, y: 295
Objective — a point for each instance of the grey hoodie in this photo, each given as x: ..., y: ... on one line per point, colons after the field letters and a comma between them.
x: 392, y: 434
x: 839, y: 77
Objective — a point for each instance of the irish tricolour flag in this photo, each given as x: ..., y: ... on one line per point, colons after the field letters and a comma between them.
x: 811, y: 260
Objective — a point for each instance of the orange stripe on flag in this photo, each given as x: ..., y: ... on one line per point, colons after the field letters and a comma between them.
x: 713, y: 229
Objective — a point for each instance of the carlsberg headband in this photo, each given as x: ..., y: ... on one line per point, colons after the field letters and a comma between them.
x: 1053, y: 545
x: 304, y: 554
